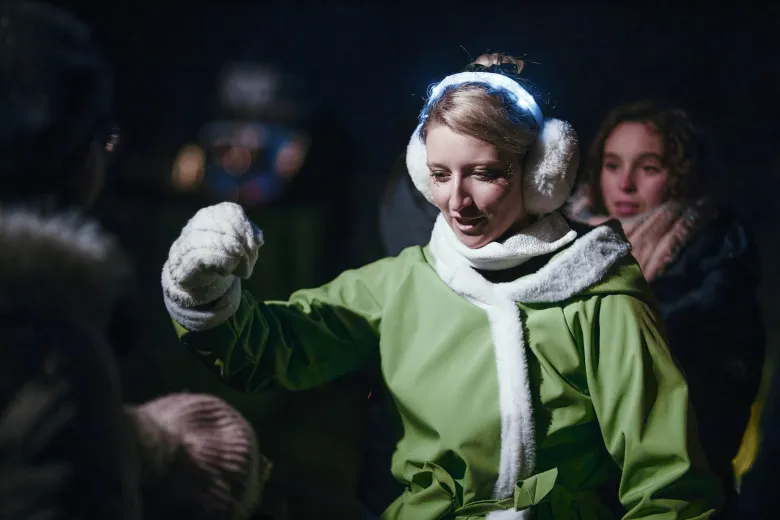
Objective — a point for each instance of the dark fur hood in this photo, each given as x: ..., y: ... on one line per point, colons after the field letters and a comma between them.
x: 59, y: 267
x: 62, y: 282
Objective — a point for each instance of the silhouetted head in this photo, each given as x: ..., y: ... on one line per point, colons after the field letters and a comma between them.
x: 55, y: 107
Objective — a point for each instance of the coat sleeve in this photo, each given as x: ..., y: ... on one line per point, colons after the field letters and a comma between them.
x: 314, y: 337
x: 641, y: 400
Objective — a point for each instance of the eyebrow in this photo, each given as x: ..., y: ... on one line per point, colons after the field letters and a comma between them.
x: 651, y: 155
x: 647, y: 155
x: 490, y: 164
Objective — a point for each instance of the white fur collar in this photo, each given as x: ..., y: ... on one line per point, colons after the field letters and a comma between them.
x: 567, y: 274
x: 583, y: 264
x: 546, y: 235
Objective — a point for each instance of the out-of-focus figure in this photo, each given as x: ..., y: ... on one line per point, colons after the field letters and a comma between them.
x: 648, y: 167
x: 69, y: 448
x: 65, y: 446
x: 56, y: 127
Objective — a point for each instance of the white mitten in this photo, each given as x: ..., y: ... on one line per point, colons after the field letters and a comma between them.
x: 201, y: 278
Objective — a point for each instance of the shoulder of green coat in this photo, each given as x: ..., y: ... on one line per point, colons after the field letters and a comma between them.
x: 625, y: 277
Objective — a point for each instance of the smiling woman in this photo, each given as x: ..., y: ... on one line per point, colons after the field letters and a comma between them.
x: 474, y: 187
x: 522, y: 353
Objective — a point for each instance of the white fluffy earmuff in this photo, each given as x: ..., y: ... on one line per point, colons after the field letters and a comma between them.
x: 550, y: 166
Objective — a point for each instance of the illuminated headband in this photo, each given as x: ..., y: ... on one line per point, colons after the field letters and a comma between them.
x: 550, y: 166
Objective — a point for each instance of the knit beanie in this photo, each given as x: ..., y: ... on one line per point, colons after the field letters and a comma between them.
x: 199, y: 459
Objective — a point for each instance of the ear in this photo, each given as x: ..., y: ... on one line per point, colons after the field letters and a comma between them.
x: 417, y: 164
x: 550, y: 168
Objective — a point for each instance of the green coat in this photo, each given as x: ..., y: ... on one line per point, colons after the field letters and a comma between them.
x: 496, y: 416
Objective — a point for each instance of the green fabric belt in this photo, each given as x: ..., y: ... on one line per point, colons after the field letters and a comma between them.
x: 541, y: 488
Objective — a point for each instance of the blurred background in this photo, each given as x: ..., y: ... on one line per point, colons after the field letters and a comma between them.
x: 355, y: 76
x: 299, y: 109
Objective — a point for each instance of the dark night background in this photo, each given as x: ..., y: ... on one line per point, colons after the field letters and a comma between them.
x: 367, y: 67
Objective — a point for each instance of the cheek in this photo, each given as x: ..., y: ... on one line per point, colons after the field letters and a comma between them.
x: 612, y: 185
x: 440, y: 195
x: 606, y: 182
x: 499, y: 199
x: 654, y: 190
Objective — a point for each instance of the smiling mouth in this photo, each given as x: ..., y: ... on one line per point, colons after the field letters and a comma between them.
x: 466, y: 225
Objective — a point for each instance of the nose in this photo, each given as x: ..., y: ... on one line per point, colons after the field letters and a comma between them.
x: 626, y: 181
x: 460, y: 197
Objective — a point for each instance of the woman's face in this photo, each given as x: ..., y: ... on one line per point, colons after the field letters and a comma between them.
x: 633, y: 176
x: 478, y: 192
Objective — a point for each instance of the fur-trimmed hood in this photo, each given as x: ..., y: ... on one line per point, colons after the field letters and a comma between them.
x: 64, y: 299
x: 61, y: 284
x: 46, y: 260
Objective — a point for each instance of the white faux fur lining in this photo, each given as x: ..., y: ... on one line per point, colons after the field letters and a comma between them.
x: 522, y: 97
x: 580, y: 266
x: 547, y: 235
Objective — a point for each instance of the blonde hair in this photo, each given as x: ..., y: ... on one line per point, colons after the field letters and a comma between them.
x: 486, y: 113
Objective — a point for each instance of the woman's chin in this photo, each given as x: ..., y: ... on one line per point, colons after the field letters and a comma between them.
x: 473, y: 241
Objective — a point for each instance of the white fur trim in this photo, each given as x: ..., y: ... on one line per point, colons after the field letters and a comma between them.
x: 547, y: 235
x: 417, y: 164
x: 510, y: 514
x: 522, y: 97
x: 56, y: 237
x: 64, y: 260
x: 550, y: 168
x: 569, y: 273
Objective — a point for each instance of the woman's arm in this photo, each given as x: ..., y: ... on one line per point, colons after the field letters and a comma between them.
x: 316, y: 336
x: 641, y: 400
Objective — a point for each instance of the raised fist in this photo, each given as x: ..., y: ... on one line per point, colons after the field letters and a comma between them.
x: 216, y: 248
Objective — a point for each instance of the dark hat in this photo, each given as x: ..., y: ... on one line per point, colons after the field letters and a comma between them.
x: 55, y: 97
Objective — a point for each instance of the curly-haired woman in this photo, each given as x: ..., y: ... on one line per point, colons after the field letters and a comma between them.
x: 647, y: 167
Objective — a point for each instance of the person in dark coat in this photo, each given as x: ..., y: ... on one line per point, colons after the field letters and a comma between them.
x: 69, y: 446
x: 57, y: 134
x: 646, y: 168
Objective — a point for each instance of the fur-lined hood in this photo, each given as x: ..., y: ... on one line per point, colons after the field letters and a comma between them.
x: 62, y: 281
x: 45, y: 260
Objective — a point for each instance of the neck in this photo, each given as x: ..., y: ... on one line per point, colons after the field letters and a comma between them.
x: 513, y: 273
